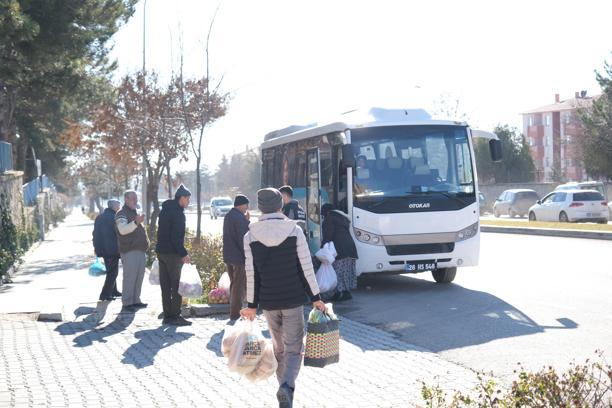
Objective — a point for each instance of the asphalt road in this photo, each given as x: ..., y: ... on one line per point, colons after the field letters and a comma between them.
x: 534, y: 300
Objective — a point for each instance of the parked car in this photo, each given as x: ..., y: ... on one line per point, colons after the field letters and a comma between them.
x: 514, y: 202
x: 571, y: 206
x: 482, y: 201
x: 588, y: 185
x: 220, y: 206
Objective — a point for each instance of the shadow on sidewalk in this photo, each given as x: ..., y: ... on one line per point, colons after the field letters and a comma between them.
x: 150, y: 342
x: 93, y: 319
x: 99, y: 334
x: 435, y: 317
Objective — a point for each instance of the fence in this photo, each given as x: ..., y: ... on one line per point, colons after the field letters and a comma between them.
x: 31, y: 189
x: 6, y: 157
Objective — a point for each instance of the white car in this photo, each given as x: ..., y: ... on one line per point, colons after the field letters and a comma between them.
x: 220, y: 206
x: 571, y: 206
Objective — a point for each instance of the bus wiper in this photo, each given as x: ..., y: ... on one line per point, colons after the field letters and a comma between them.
x: 444, y: 193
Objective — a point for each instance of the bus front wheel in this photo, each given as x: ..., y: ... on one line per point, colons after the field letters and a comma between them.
x: 444, y: 275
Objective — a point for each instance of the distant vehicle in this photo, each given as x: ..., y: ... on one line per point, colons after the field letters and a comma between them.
x: 571, y: 206
x: 220, y: 206
x: 514, y: 202
x: 584, y: 185
x: 482, y: 203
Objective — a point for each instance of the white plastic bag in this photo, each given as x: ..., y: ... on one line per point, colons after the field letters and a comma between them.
x: 327, y: 254
x: 267, y: 365
x: 190, y: 285
x: 326, y: 278
x: 326, y: 275
x: 224, y: 281
x: 154, y: 275
x: 247, y: 349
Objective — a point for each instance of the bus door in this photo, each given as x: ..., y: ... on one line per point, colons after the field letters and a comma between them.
x: 313, y: 200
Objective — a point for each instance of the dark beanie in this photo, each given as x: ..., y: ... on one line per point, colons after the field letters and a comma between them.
x: 269, y: 200
x: 326, y: 209
x: 240, y: 199
x: 181, y: 192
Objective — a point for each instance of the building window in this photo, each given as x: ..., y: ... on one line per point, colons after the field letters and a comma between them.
x: 547, y: 120
x: 530, y: 120
x: 567, y: 116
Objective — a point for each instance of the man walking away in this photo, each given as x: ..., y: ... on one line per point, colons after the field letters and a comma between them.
x: 279, y: 274
x: 235, y: 225
x: 171, y: 254
x: 105, y: 246
x: 292, y: 208
x: 133, y: 244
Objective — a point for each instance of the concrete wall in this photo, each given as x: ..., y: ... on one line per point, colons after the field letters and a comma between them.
x: 10, y: 184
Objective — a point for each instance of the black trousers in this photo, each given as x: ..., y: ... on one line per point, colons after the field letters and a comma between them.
x: 112, y: 270
x: 169, y: 276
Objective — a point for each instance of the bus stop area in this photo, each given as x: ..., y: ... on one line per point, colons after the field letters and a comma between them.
x: 98, y: 356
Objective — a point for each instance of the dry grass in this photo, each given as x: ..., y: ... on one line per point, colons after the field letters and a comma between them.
x: 552, y: 225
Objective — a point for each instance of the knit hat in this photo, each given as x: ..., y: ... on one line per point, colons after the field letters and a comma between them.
x: 240, y: 199
x: 181, y: 192
x: 269, y: 200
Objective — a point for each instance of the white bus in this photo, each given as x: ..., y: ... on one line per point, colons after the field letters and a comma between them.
x: 407, y: 182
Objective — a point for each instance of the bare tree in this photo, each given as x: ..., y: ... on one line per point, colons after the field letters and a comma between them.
x: 200, y: 106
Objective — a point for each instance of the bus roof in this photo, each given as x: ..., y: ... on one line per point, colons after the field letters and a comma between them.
x: 353, y: 120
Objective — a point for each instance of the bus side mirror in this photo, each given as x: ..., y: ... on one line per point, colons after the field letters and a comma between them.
x: 496, y: 150
x: 348, y: 158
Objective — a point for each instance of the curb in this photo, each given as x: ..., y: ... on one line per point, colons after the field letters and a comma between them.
x: 547, y: 232
x: 206, y: 310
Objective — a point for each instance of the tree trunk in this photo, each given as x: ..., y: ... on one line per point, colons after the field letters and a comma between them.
x: 198, y: 199
x: 169, y: 179
x: 152, y: 198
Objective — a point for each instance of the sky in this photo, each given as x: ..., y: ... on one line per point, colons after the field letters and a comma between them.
x: 289, y: 62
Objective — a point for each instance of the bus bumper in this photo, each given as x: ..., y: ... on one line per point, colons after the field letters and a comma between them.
x: 375, y: 259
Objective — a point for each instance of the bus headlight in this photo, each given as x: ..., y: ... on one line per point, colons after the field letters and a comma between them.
x: 467, y: 233
x: 367, y: 237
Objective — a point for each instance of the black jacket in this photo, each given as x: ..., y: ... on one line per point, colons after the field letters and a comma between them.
x: 235, y: 225
x: 293, y: 211
x: 336, y: 229
x: 278, y: 265
x: 171, y: 229
x: 104, y: 234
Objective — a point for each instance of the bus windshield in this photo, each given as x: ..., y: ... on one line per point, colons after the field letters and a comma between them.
x: 396, y: 163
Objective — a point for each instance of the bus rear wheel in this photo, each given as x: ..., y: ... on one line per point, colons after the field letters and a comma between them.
x: 444, y: 275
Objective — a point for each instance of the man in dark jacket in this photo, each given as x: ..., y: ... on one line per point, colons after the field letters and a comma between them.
x: 291, y: 207
x: 171, y: 254
x: 105, y: 246
x: 235, y: 225
x: 279, y: 274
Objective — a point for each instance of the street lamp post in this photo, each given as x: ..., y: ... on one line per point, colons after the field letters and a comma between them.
x: 144, y: 164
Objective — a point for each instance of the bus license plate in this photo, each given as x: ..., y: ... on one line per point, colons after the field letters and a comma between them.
x: 420, y: 266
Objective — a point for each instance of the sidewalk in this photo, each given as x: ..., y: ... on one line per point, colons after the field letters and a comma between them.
x: 104, y: 358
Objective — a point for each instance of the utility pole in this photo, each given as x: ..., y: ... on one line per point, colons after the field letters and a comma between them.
x: 144, y: 200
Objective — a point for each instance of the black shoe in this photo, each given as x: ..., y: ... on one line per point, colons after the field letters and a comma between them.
x: 129, y: 309
x: 140, y: 305
x: 117, y: 294
x: 176, y: 321
x: 161, y: 315
x: 336, y: 297
x: 344, y: 295
x: 285, y: 396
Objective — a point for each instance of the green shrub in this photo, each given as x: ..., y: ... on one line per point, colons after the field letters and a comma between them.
x: 12, y: 245
x: 581, y: 386
x: 207, y: 256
